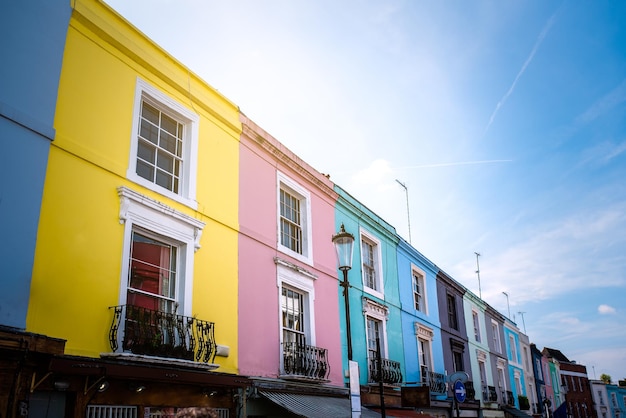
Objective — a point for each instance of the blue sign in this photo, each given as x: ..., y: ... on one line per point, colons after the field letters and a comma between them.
x: 459, y: 391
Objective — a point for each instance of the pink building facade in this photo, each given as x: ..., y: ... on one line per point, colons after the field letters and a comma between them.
x: 288, y: 282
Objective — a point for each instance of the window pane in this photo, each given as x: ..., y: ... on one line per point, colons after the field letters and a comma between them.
x: 150, y: 113
x: 290, y: 225
x: 145, y: 151
x: 165, y: 162
x: 164, y: 153
x: 145, y: 170
x: 149, y: 132
x: 168, y: 124
x: 152, y: 274
x: 168, y: 142
x: 292, y: 306
x: 164, y: 179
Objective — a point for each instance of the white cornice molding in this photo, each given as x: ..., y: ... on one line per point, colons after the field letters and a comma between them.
x: 136, y: 205
x: 424, y: 332
x: 295, y: 267
x: 285, y: 156
x: 375, y: 309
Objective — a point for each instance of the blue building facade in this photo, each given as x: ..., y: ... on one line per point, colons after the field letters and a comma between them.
x: 32, y: 40
x: 516, y: 371
x: 421, y: 327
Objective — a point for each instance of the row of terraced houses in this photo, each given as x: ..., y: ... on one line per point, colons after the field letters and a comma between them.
x: 164, y: 253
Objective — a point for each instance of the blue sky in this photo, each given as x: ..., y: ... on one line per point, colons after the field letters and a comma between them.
x: 505, y: 120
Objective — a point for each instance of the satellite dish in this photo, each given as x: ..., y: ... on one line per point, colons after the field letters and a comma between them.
x: 462, y: 376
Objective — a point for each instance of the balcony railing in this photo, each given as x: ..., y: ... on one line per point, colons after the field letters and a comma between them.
x: 510, y: 400
x: 435, y: 381
x: 490, y: 394
x: 306, y: 361
x: 162, y: 334
x: 389, y: 374
x: 470, y: 392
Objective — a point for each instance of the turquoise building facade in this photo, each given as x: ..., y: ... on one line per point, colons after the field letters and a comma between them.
x: 374, y: 297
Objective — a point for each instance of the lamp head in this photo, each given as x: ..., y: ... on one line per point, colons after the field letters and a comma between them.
x: 344, y: 245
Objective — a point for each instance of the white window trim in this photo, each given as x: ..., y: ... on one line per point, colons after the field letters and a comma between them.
x: 190, y: 120
x: 415, y: 269
x: 501, y: 367
x: 478, y: 335
x: 378, y: 268
x: 482, y: 372
x: 426, y: 334
x: 496, y: 336
x: 513, y: 349
x: 137, y: 210
x: 304, y: 283
x: 379, y: 312
x: 282, y: 181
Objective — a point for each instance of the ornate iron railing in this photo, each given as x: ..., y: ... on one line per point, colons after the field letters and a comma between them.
x: 389, y: 374
x: 435, y: 381
x: 493, y: 394
x: 305, y: 361
x: 470, y: 392
x: 510, y: 400
x: 162, y: 334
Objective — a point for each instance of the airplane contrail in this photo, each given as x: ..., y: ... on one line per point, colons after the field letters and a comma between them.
x: 457, y: 163
x: 538, y: 43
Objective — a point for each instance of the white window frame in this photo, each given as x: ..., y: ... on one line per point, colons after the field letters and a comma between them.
x: 378, y: 270
x: 379, y: 312
x: 513, y: 348
x: 482, y: 369
x: 425, y: 335
x: 501, y: 375
x: 190, y: 121
x: 140, y: 211
x: 304, y: 282
x: 517, y: 377
x: 422, y: 278
x: 495, y: 327
x: 304, y: 196
x: 476, y: 323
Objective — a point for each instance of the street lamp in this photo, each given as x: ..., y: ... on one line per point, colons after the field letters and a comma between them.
x: 507, y: 303
x: 344, y: 244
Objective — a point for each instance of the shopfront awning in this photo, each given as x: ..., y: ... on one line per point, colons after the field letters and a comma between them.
x: 403, y: 413
x: 315, y: 406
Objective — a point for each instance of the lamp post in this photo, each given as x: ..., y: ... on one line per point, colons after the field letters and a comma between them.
x: 507, y: 303
x: 344, y: 245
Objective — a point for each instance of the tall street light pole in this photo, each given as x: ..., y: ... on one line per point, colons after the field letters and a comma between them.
x: 480, y: 293
x: 408, y: 214
x: 344, y: 245
x: 507, y: 303
x: 523, y: 322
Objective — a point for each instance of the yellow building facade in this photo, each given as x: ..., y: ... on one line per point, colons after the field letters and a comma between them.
x: 139, y: 217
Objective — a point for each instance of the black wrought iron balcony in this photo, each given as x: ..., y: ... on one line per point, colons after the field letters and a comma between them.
x: 305, y: 361
x: 470, y: 392
x: 435, y: 381
x: 162, y: 334
x: 390, y: 372
x: 510, y: 400
x: 493, y: 394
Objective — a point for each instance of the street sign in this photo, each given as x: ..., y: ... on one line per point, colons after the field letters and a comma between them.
x: 459, y: 391
x: 462, y: 376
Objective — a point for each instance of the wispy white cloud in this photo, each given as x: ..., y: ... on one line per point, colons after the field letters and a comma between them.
x: 538, y: 42
x: 452, y: 164
x: 606, y: 310
x: 548, y: 262
x: 607, y: 102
